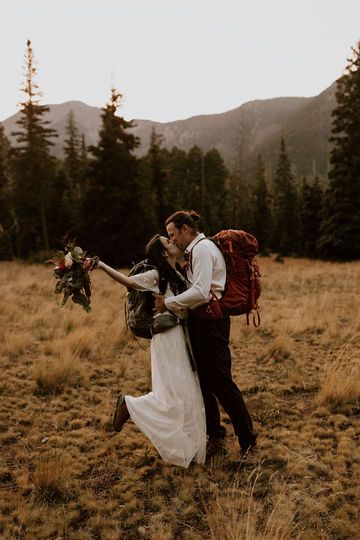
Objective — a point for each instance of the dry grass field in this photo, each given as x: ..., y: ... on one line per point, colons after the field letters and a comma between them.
x: 64, y: 474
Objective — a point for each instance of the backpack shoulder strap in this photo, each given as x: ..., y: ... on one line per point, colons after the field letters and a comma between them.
x: 191, y: 250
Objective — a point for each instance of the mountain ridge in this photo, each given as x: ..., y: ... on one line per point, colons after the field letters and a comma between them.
x: 252, y: 128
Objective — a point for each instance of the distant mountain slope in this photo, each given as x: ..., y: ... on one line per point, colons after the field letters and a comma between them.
x: 306, y: 133
x: 258, y: 126
x: 259, y: 120
x: 87, y: 120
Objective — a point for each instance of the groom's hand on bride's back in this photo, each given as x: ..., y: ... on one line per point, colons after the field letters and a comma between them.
x: 159, y: 303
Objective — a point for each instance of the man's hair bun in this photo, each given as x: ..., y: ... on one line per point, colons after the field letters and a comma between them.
x: 194, y: 215
x: 184, y: 217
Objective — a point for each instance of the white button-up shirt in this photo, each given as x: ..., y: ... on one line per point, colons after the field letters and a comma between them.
x: 207, y: 272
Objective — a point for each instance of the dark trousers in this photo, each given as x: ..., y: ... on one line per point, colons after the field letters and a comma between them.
x: 210, y: 343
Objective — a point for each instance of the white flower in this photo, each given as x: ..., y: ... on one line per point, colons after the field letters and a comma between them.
x: 68, y: 260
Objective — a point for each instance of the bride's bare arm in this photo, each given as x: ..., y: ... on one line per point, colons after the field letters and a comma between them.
x: 118, y: 276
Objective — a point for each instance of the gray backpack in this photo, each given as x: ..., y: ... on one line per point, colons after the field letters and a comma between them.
x: 139, y: 305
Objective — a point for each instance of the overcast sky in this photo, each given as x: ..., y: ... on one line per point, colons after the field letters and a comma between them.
x: 175, y: 58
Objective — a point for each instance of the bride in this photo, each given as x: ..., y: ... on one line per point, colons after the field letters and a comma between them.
x: 172, y: 415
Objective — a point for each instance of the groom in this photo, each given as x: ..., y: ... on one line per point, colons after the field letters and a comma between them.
x: 209, y: 337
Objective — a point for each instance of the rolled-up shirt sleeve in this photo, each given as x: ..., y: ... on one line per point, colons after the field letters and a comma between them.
x: 199, y: 292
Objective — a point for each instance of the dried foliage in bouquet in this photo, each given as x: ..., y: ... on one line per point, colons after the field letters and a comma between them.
x: 72, y: 274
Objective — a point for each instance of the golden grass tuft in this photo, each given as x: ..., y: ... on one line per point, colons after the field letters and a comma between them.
x: 51, y: 479
x: 237, y: 512
x: 341, y: 379
x: 80, y: 342
x: 15, y: 344
x: 53, y: 375
x: 281, y: 348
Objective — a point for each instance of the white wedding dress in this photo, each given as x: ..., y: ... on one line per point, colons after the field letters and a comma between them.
x: 172, y: 415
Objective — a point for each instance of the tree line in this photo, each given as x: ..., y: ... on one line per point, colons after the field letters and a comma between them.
x: 112, y: 201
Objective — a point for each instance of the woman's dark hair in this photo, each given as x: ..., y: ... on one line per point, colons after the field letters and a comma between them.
x: 154, y: 251
x: 184, y: 217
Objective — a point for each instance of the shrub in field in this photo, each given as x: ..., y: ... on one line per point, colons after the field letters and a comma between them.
x: 238, y: 513
x: 280, y: 348
x: 16, y: 344
x: 53, y: 375
x: 341, y: 380
x: 51, y: 479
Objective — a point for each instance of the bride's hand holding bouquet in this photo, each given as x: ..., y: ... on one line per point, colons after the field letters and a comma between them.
x: 91, y: 263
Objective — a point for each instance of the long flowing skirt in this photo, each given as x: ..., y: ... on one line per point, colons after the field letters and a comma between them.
x: 172, y: 415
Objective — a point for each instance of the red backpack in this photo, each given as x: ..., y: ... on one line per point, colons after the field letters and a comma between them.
x: 242, y: 287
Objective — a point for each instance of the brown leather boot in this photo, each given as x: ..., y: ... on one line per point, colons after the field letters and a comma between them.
x: 121, y: 413
x: 216, y: 447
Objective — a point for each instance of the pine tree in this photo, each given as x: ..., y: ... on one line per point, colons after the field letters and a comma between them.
x: 262, y: 221
x: 146, y: 194
x: 4, y: 175
x: 34, y: 166
x: 285, y: 215
x: 178, y: 172
x: 114, y: 224
x: 310, y: 217
x: 239, y: 196
x: 65, y: 223
x: 72, y: 151
x: 215, y: 178
x: 74, y: 175
x: 195, y: 180
x: 84, y: 159
x: 157, y: 179
x: 340, y: 230
x: 7, y: 222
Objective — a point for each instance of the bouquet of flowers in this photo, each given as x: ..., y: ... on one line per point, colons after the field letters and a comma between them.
x: 72, y: 272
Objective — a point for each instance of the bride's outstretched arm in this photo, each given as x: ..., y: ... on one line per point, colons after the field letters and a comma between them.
x: 118, y: 276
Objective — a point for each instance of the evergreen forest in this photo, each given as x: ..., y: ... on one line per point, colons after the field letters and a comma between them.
x: 112, y: 202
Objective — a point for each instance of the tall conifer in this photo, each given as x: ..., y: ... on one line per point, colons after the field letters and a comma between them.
x: 72, y: 151
x: 195, y: 181
x: 84, y: 158
x: 178, y: 183
x: 73, y: 173
x: 261, y: 208
x: 33, y: 164
x: 285, y: 218
x: 4, y: 175
x: 239, y: 197
x: 340, y: 231
x: 7, y: 218
x: 310, y: 217
x: 215, y: 178
x: 115, y: 225
x: 157, y: 178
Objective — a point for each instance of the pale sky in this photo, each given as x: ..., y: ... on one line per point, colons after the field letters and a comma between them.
x: 173, y: 59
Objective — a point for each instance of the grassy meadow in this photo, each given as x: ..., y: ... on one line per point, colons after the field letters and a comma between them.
x: 64, y: 474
